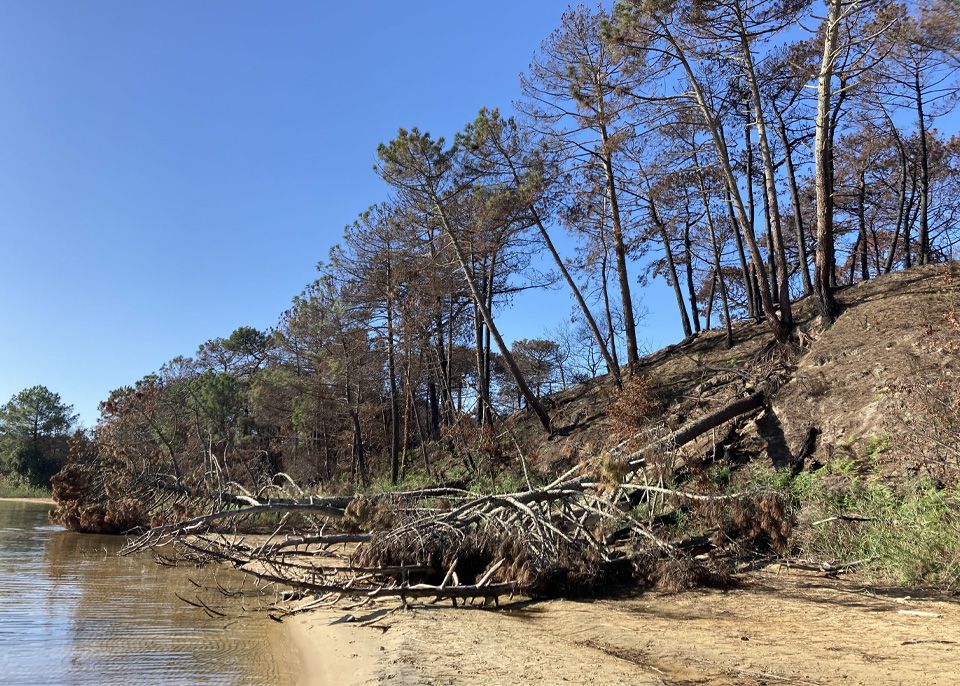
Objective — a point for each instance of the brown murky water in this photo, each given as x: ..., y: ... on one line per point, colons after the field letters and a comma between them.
x: 72, y: 612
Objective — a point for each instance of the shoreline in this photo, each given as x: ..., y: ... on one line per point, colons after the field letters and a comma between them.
x: 37, y: 501
x: 330, y: 654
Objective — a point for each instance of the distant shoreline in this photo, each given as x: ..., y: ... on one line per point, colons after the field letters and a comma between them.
x: 39, y: 501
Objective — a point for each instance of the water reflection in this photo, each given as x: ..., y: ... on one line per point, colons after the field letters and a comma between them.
x: 72, y: 612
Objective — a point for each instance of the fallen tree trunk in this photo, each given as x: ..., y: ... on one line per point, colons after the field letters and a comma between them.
x: 694, y: 430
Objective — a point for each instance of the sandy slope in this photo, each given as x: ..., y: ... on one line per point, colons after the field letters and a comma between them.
x: 779, y: 627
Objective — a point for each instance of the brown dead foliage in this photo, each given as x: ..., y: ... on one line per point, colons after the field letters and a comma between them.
x: 634, y: 406
x: 571, y: 570
x: 675, y: 574
x: 759, y: 524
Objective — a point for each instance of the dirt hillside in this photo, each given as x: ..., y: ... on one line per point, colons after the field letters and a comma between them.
x: 865, y: 387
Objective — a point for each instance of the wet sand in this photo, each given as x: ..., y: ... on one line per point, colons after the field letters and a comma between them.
x: 335, y: 654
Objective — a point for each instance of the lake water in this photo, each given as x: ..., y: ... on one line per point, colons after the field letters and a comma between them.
x: 72, y: 612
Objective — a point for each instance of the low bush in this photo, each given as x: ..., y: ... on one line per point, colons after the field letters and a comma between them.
x: 905, y: 534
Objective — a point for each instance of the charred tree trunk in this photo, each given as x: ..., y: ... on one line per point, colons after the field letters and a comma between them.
x: 672, y: 266
x: 862, y: 224
x: 392, y: 375
x: 605, y: 289
x: 717, y: 266
x: 612, y: 367
x: 924, y: 253
x: 823, y: 144
x: 620, y: 252
x: 778, y: 257
x: 691, y: 289
x: 750, y: 291
x: 803, y: 258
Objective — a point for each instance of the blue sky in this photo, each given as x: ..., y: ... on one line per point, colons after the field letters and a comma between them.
x: 169, y: 171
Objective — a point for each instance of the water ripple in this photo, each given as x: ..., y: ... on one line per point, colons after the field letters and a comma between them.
x: 72, y: 612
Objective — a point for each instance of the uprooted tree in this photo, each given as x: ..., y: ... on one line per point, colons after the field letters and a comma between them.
x: 598, y: 524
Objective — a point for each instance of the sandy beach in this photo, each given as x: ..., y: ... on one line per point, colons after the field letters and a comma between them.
x: 778, y: 626
x: 336, y: 653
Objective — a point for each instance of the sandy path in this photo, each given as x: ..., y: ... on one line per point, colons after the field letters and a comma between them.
x: 789, y: 628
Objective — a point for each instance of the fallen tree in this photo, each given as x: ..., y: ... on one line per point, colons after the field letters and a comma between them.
x: 575, y: 535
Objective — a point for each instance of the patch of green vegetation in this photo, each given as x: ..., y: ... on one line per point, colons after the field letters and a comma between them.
x: 906, y: 534
x: 504, y: 482
x: 843, y: 466
x: 877, y: 445
x: 847, y: 442
x: 13, y: 487
x: 681, y: 523
x: 413, y: 480
x: 719, y: 475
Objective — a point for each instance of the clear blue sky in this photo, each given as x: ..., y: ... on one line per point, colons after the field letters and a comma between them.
x: 171, y: 170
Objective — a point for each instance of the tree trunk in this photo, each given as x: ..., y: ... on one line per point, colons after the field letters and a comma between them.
x: 862, y: 223
x: 823, y: 143
x: 612, y: 367
x: 392, y: 374
x: 803, y: 257
x: 691, y: 290
x: 909, y: 221
x: 359, y: 458
x: 407, y: 403
x: 901, y: 214
x: 672, y: 266
x: 780, y: 331
x: 774, y: 229
x: 620, y: 252
x: 924, y: 252
x: 434, y: 409
x: 748, y: 288
x: 605, y: 289
x: 711, y: 296
x: 718, y: 267
x: 487, y: 357
x: 478, y: 346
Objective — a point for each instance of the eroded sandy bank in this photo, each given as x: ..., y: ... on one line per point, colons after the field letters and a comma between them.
x: 786, y: 627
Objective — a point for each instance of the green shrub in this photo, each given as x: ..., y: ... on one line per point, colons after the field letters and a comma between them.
x: 413, y: 480
x: 905, y: 534
x: 908, y: 535
x: 877, y: 445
